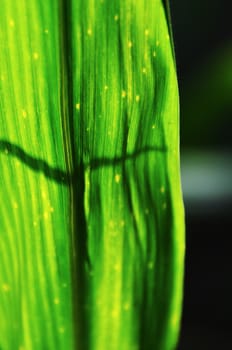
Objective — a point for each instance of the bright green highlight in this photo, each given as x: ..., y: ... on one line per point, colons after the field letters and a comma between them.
x: 95, y: 262
x: 35, y: 299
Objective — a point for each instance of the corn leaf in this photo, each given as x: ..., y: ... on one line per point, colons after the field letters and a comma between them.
x: 91, y: 216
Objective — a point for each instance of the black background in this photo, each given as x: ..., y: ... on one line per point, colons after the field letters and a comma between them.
x: 200, y: 29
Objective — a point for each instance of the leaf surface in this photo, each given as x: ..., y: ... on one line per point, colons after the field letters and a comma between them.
x: 92, y: 226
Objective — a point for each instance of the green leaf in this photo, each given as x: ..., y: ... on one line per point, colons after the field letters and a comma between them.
x: 91, y: 225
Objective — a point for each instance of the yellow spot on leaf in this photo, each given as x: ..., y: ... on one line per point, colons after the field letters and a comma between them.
x: 35, y: 55
x: 146, y: 32
x: 162, y: 189
x: 15, y: 205
x: 89, y: 31
x: 144, y: 70
x: 123, y: 94
x: 137, y: 98
x: 56, y: 301
x: 24, y: 113
x: 117, y: 267
x: 117, y: 178
x: 115, y: 313
x: 77, y: 106
x: 5, y: 287
x: 116, y: 17
x: 130, y: 44
x: 61, y: 329
x: 12, y: 23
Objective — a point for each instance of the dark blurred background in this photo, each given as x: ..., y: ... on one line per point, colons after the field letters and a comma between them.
x: 203, y: 45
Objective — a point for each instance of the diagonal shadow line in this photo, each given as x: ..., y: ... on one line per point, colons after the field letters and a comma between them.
x: 36, y: 164
x: 59, y: 175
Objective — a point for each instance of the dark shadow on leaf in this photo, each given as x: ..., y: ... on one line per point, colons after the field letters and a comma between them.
x: 59, y: 175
